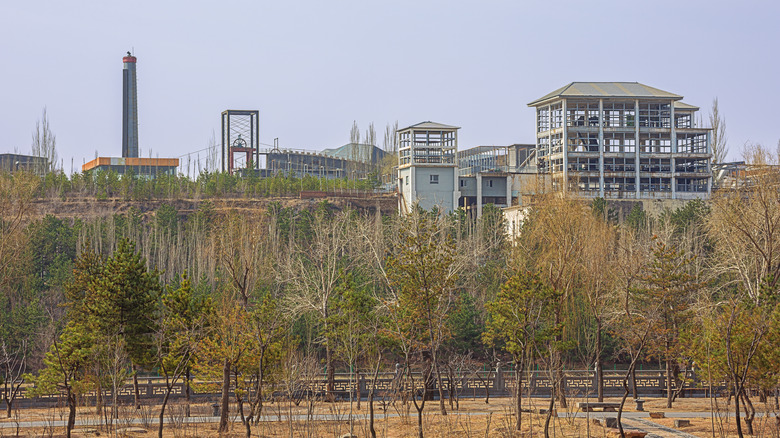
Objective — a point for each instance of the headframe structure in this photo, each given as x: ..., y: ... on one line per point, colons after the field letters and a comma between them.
x: 240, y: 139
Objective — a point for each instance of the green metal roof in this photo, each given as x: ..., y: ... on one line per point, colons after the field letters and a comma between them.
x: 606, y: 89
x: 359, y: 152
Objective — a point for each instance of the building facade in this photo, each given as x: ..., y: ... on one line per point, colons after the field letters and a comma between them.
x: 427, y: 167
x: 23, y: 163
x: 141, y: 167
x: 622, y: 140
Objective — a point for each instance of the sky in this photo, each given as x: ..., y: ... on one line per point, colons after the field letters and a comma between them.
x: 313, y: 67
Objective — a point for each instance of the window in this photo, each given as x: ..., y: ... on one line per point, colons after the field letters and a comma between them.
x: 407, y: 180
x: 691, y: 185
x: 556, y: 116
x: 490, y: 183
x: 655, y: 144
x: 543, y: 119
x: 463, y: 183
x: 692, y: 143
x: 434, y: 179
x: 654, y: 115
x: 582, y: 113
x: 619, y: 142
x: 619, y: 114
x: 583, y: 141
x: 682, y: 120
x: 655, y: 165
x: 655, y: 185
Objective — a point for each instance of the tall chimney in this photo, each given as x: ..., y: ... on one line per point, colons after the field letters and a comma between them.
x: 129, y: 108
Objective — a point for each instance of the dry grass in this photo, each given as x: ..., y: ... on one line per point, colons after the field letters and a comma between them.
x: 474, y: 418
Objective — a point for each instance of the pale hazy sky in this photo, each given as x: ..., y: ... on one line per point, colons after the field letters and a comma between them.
x: 312, y: 67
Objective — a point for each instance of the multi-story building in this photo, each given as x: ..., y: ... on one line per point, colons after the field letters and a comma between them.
x: 622, y: 140
x: 427, y: 166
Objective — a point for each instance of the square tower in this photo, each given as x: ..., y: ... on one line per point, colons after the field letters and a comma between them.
x: 622, y: 140
x: 427, y: 167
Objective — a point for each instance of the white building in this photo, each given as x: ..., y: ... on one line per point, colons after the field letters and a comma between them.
x: 427, y: 167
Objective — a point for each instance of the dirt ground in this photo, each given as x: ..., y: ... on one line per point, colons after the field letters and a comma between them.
x: 472, y: 418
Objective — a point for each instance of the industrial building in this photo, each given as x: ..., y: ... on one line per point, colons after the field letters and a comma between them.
x: 432, y: 173
x: 329, y: 163
x: 495, y: 175
x: 241, y: 153
x: 130, y: 162
x: 427, y: 166
x: 27, y: 163
x: 622, y: 140
x: 615, y: 140
x: 143, y: 167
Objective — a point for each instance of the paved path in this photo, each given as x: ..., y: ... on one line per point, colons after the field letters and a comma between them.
x: 631, y: 420
x: 654, y: 430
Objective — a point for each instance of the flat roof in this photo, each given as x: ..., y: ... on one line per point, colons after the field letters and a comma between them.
x: 130, y: 161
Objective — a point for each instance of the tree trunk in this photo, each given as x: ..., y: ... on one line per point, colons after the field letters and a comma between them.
x: 560, y: 380
x: 223, y: 418
x: 630, y: 373
x: 371, y: 398
x: 669, y: 390
x: 487, y: 385
x: 187, y: 392
x: 519, y: 394
x: 419, y: 424
x: 737, y: 418
x: 259, y: 394
x: 330, y: 373
x: 442, y: 408
x: 599, y: 366
x: 99, y: 398
x: 750, y: 412
x: 371, y: 409
x: 136, y: 394
x: 550, y: 408
x: 357, y: 390
x: 71, y: 412
x: 418, y: 406
x: 162, y: 410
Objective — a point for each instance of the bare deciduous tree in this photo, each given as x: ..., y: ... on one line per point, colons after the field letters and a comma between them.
x: 44, y: 143
x: 313, y: 269
x: 720, y: 147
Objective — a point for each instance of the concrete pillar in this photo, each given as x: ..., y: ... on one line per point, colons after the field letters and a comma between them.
x: 601, y: 146
x: 412, y: 187
x: 636, y: 142
x: 509, y: 190
x: 672, y: 163
x: 455, y: 188
x: 549, y: 145
x: 479, y: 195
x: 498, y: 383
x: 710, y: 179
x: 564, y: 145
